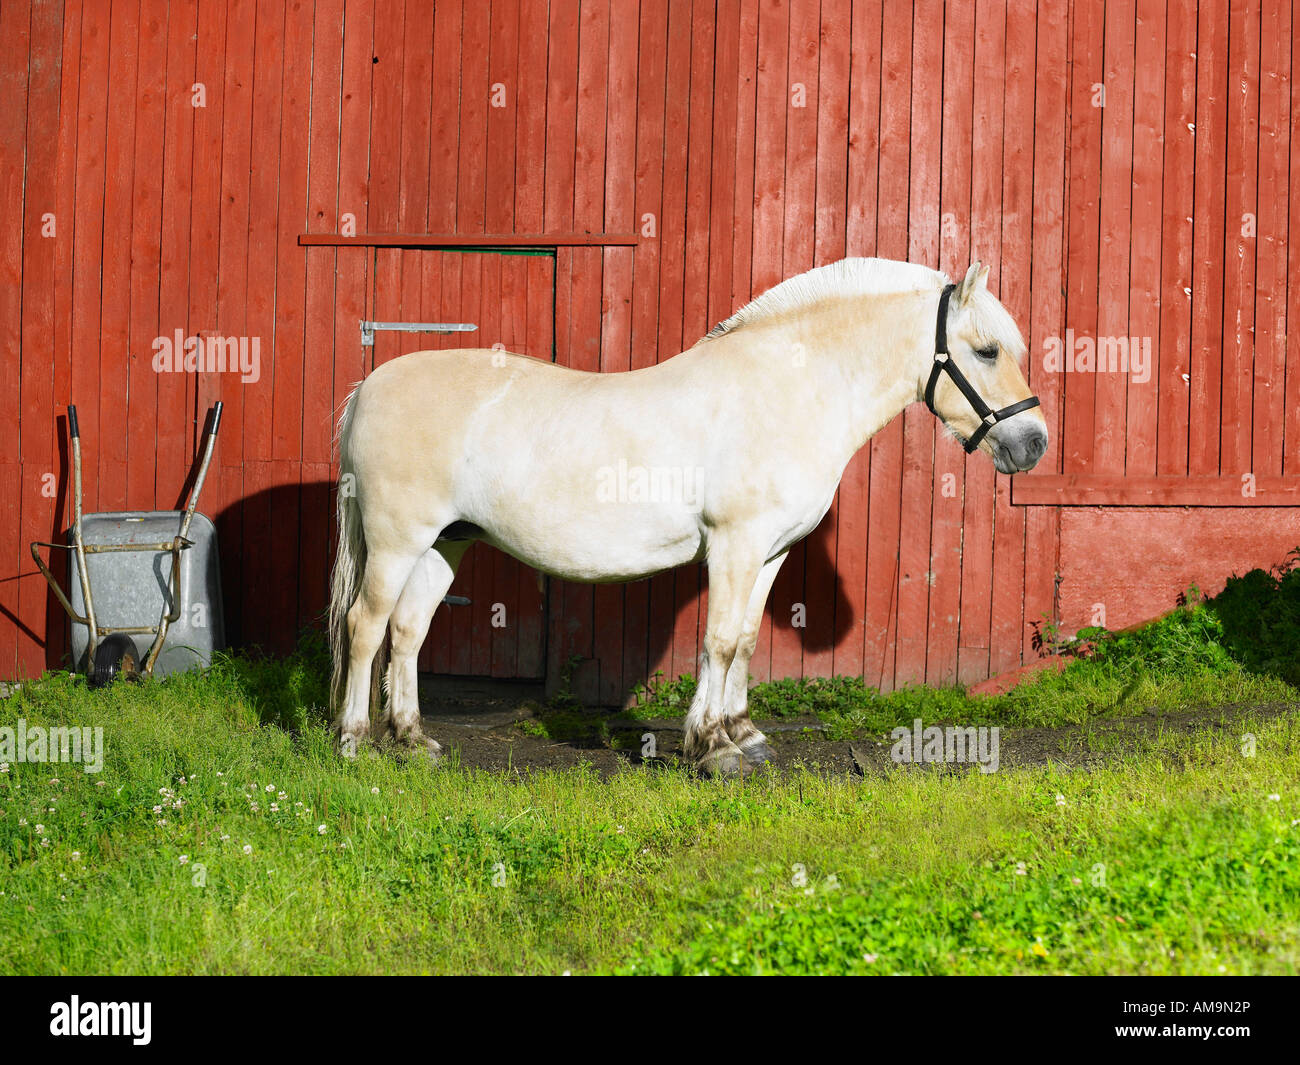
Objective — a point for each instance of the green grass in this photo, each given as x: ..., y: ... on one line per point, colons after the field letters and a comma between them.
x: 224, y: 835
x: 652, y: 870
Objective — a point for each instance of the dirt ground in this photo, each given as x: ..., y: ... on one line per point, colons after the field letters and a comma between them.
x: 501, y: 732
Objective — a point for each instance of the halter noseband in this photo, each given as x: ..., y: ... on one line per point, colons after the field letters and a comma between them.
x: 943, y: 363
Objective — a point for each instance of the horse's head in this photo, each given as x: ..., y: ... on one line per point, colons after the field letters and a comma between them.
x: 975, y: 385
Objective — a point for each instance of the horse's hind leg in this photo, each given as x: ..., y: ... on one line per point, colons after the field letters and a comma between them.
x: 735, y: 705
x: 408, y: 627
x: 385, y: 576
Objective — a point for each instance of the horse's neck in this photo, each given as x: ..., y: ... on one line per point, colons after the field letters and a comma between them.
x: 862, y: 357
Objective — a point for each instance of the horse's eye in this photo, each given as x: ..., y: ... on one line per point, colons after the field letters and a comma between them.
x: 989, y: 353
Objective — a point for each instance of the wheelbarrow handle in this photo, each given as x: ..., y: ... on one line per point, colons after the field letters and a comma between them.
x: 216, y: 418
x: 74, y: 430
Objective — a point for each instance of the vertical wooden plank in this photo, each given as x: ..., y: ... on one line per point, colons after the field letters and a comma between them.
x: 1015, y: 274
x: 39, y: 620
x: 325, y: 274
x: 173, y: 415
x: 977, y: 536
x: 640, y: 660
x: 271, y: 495
x: 1084, y: 187
x: 540, y: 343
x: 1110, y: 407
x: 15, y: 65
x: 1275, y: 145
x: 860, y: 240
x: 539, y: 282
x: 1047, y: 298
x: 919, y: 426
x: 797, y: 239
x: 585, y: 293
x: 206, y: 206
x: 146, y: 214
x: 963, y: 53
x: 1241, y: 226
x: 88, y: 235
x: 1174, y: 372
x: 822, y: 585
x: 564, y: 641
x: 1144, y: 256
x: 113, y: 370
x: 613, y: 627
x: 1208, y: 237
x: 231, y: 163
x: 1291, y: 429
x: 770, y: 126
x: 885, y: 494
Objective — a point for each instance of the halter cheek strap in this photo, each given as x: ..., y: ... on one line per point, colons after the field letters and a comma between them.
x: 943, y: 363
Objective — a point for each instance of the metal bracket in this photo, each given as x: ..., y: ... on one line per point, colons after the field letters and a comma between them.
x: 368, y: 329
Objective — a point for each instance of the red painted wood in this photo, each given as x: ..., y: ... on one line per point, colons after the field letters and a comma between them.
x: 860, y: 240
x: 885, y: 532
x: 1208, y: 265
x: 1174, y: 366
x: 1144, y: 244
x: 1275, y: 118
x: 336, y: 136
x: 919, y: 426
x: 1015, y: 284
x: 961, y: 112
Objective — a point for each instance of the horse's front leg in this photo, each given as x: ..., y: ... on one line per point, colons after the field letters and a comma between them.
x: 735, y: 704
x: 732, y: 572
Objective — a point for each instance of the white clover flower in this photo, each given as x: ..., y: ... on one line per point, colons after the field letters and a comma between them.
x: 248, y: 848
x: 40, y: 830
x: 374, y: 791
x: 321, y: 829
x: 76, y: 856
x: 270, y: 788
x: 1275, y: 798
x: 184, y: 859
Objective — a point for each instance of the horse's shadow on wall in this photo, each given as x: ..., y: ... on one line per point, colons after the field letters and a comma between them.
x: 277, y: 548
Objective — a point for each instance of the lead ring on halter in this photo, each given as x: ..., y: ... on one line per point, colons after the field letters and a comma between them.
x: 943, y: 363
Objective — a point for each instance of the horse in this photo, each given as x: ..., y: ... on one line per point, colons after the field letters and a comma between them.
x: 728, y: 453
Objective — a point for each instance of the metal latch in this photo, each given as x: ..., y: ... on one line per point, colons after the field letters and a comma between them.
x: 368, y: 329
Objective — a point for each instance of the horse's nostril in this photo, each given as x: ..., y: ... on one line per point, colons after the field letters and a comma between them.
x: 1037, y: 445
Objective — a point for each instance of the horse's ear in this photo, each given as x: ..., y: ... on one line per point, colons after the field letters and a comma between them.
x: 976, y: 277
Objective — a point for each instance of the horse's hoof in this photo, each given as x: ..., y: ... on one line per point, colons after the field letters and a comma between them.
x: 434, y: 750
x: 725, y: 762
x: 756, y: 755
x: 348, y: 746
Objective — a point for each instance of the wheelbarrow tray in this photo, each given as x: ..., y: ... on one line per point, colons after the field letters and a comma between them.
x: 131, y: 589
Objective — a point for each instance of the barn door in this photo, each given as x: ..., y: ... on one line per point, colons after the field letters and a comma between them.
x: 510, y: 298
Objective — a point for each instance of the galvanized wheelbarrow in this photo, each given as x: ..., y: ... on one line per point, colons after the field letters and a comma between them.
x: 159, y: 562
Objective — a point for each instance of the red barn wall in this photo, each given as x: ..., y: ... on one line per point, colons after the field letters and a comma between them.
x: 728, y: 145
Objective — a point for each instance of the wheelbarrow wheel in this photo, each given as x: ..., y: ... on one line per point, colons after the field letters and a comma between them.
x: 116, y: 655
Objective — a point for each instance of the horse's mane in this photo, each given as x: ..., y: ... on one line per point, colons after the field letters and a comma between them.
x: 848, y: 277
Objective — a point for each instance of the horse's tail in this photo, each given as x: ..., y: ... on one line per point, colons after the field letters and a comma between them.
x: 349, y: 567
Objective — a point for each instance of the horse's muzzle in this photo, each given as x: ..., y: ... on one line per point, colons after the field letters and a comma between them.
x: 1016, y: 449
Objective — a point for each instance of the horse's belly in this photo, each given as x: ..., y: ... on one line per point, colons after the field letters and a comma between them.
x: 596, y: 547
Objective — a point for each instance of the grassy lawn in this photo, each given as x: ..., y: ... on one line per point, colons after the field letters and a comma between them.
x: 223, y: 835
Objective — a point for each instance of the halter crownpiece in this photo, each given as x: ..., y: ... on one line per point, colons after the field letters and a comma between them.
x: 943, y: 363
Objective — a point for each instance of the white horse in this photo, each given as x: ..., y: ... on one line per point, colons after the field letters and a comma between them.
x: 729, y: 453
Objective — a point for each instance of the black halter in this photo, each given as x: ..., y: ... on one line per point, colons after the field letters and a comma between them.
x: 944, y: 363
